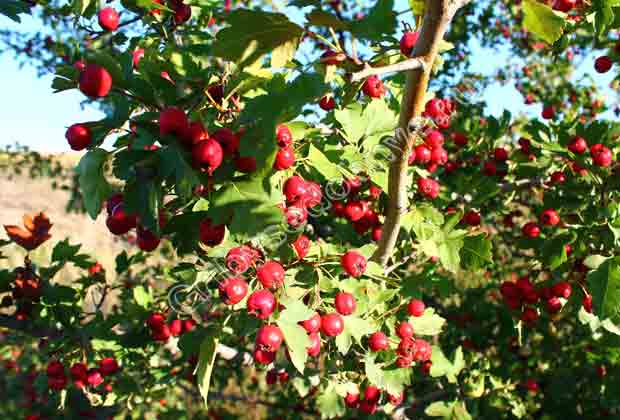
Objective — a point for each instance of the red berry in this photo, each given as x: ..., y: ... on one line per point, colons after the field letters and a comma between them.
x: 601, y: 155
x: 578, y: 145
x: 239, y: 259
x: 434, y: 139
x: 285, y: 158
x: 549, y: 217
x: 378, y: 341
x: 210, y: 234
x: 603, y: 64
x: 264, y: 357
x: 313, y: 324
x: 228, y: 140
x: 94, y: 377
x: 207, y: 155
x: 407, y: 42
x: 472, y: 218
x: 327, y: 103
x: 119, y: 222
x: 315, y: 345
x: 332, y: 324
x: 313, y: 195
x: 435, y: 108
x: 354, y: 210
x: 345, y: 303
x: 423, y: 351
x: 294, y: 188
x: 351, y: 400
x: 459, y: 139
x: 562, y: 289
x: 247, y: 165
x: 301, y: 246
x: 564, y: 5
x: 376, y: 233
x: 194, y: 133
x: 587, y: 303
x: 137, y: 55
x: 529, y: 315
x: 296, y: 214
x: 182, y: 13
x: 500, y: 154
x: 531, y: 230
x: 284, y: 136
x: 372, y: 394
x: 95, y: 81
x: 269, y: 338
x: 373, y: 87
x: 55, y: 368
x: 428, y: 187
x: 108, y: 366
x: 173, y: 121
x: 57, y: 383
x: 261, y: 303
x: 422, y: 154
x: 108, y: 19
x: 553, y: 305
x: 175, y: 327
x: 78, y: 136
x: 548, y: 112
x: 353, y: 263
x: 271, y: 275
x: 147, y: 241
x: 416, y: 307
x: 558, y: 177
x: 188, y: 325
x: 404, y: 330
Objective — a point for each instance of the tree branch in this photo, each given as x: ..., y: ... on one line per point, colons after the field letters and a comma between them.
x: 437, y: 17
x: 410, y: 64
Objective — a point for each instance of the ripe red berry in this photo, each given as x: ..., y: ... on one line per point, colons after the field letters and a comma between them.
x: 354, y: 210
x: 272, y: 377
x: 603, y: 64
x: 313, y: 195
x: 108, y: 366
x: 173, y: 121
x: 500, y: 154
x: 327, y: 103
x: 529, y: 315
x: 119, y: 222
x: 227, y: 139
x: 376, y: 233
x: 264, y: 357
x: 372, y: 393
x: 404, y: 330
x: 601, y: 155
x: 353, y: 263
x: 95, y: 81
x: 55, y: 368
x: 422, y: 154
x: 78, y: 136
x: 435, y: 108
x: 562, y: 289
x: 137, y: 55
x: 459, y: 139
x: 548, y: 112
x: 94, y: 377
x: 531, y: 230
x: 345, y: 303
x: 188, y: 325
x: 270, y: 274
x: 301, y: 246
x: 207, y: 155
x: 57, y: 383
x: 373, y: 87
x: 553, y: 305
x: 423, y: 351
x: 296, y: 214
x: 416, y: 307
x: 211, y: 234
x: 472, y: 218
x: 558, y: 177
x: 351, y: 400
x: 182, y: 13
x: 285, y: 158
x: 587, y: 303
x: 407, y: 42
x: 564, y: 5
x: 176, y: 327
x: 578, y: 145
x: 294, y: 188
x: 550, y: 217
x: 396, y: 399
x: 313, y: 324
x: 284, y: 135
x: 269, y: 338
x: 428, y: 187
x: 378, y: 341
x: 108, y: 19
x: 434, y: 139
x: 239, y: 259
x: 261, y: 304
x: 147, y: 241
x: 332, y: 324
x: 194, y: 133
x: 315, y: 345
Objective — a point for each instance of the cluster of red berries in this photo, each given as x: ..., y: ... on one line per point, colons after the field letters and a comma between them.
x: 564, y: 5
x: 80, y: 374
x: 600, y: 154
x: 161, y: 331
x: 548, y: 217
x: 496, y: 165
x: 285, y: 158
x: 411, y: 350
x: 358, y: 209
x: 119, y: 222
x: 274, y: 376
x: 440, y: 111
x: 300, y: 196
x: 521, y: 295
x: 369, y: 402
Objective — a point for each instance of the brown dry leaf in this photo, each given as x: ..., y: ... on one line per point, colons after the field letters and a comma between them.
x: 36, y: 231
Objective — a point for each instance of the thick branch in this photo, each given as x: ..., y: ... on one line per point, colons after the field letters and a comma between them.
x: 437, y: 17
x: 410, y: 64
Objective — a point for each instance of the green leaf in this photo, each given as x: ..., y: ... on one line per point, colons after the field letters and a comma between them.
x: 375, y: 120
x: 297, y: 342
x: 355, y: 328
x: 442, y: 366
x: 554, y: 250
x: 295, y: 311
x: 605, y: 289
x: 391, y: 380
x: 476, y: 252
x: 428, y: 324
x: 542, y: 21
x: 321, y: 163
x: 380, y: 20
x: 63, y: 251
x: 206, y: 361
x: 455, y: 410
x: 142, y: 297
x: 320, y: 17
x: 12, y: 9
x: 143, y: 198
x: 253, y: 34
x: 93, y: 184
x: 329, y: 403
x: 173, y: 165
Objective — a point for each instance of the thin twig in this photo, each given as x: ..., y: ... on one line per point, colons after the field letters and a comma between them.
x: 410, y: 64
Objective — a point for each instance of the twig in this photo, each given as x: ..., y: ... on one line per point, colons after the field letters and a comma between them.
x: 410, y: 64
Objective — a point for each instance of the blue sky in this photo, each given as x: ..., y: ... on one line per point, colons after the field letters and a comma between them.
x: 33, y: 116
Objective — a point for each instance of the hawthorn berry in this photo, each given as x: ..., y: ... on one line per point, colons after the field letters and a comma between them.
x: 95, y: 81
x: 55, y: 368
x: 211, y: 234
x: 285, y: 158
x: 332, y: 324
x: 404, y: 330
x: 407, y: 42
x: 422, y: 154
x: 313, y: 324
x: 147, y: 241
x: 345, y: 303
x: 327, y: 103
x: 472, y: 218
x: 416, y: 307
x: 239, y: 259
x: 108, y: 19
x: 314, y: 349
x: 264, y: 357
x: 500, y: 154
x: 564, y: 5
x: 373, y: 87
x: 553, y: 305
x: 284, y: 136
x: 294, y: 188
x: 247, y: 165
x: 270, y: 274
x: 459, y: 139
x: 578, y: 145
x: 194, y: 133
x: 173, y: 121
x: 378, y: 341
x: 351, y: 400
x: 227, y: 139
x: 137, y: 55
x: 353, y: 263
x: 296, y: 214
x: 354, y: 210
x: 601, y: 155
x: 94, y: 377
x: 301, y: 246
x: 562, y: 289
x: 119, y: 222
x: 207, y: 155
x: 531, y: 230
x: 182, y: 13
x: 269, y: 338
x: 261, y: 304
x: 550, y: 217
x: 108, y: 366
x: 428, y: 187
x: 603, y: 64
x: 78, y: 136
x: 176, y: 327
x: 548, y: 112
x: 529, y: 315
x: 423, y: 351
